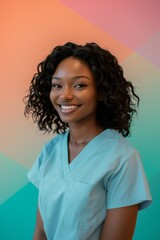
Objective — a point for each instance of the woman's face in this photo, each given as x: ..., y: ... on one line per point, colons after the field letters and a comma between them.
x: 73, y: 93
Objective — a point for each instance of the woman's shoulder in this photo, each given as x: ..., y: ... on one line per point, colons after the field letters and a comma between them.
x: 117, y: 140
x: 54, y: 141
x: 118, y: 148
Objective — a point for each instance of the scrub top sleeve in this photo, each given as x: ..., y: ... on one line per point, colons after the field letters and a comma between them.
x: 34, y: 174
x: 127, y: 185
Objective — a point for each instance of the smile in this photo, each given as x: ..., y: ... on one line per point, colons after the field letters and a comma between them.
x: 68, y: 108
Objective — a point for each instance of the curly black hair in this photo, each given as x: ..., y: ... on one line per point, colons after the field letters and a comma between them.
x: 119, y: 102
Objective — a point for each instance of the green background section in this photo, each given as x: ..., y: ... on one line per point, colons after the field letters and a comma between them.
x: 17, y: 215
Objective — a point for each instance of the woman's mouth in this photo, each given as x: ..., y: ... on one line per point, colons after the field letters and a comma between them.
x: 68, y: 108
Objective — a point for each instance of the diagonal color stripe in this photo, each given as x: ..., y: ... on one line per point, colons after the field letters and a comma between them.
x: 12, y: 177
x: 125, y: 21
x: 151, y: 49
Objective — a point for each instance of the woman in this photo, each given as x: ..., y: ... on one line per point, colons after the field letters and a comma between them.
x: 90, y: 179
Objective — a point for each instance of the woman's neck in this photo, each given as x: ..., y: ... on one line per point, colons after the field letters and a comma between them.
x: 83, y: 134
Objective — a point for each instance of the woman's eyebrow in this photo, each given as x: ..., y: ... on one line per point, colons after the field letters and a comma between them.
x: 81, y: 76
x: 74, y: 78
x: 55, y: 78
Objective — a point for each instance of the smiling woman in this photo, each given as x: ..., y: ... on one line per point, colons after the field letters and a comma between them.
x: 90, y: 179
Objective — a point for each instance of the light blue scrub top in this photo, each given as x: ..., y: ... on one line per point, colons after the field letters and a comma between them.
x: 74, y: 198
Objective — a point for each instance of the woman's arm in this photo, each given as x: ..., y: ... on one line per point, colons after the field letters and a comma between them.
x: 39, y: 233
x: 120, y: 223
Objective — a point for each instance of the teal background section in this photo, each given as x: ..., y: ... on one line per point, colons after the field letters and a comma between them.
x: 29, y: 30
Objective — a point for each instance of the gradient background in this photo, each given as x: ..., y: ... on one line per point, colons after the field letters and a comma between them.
x: 29, y: 31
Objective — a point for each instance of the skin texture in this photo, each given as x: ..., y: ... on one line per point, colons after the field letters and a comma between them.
x: 39, y: 233
x: 120, y: 223
x: 74, y: 96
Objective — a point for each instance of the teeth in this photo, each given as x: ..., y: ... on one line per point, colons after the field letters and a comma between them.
x: 68, y: 107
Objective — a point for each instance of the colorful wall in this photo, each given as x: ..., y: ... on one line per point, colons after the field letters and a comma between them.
x: 29, y: 31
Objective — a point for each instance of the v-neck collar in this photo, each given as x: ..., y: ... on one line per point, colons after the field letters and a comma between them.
x: 81, y: 157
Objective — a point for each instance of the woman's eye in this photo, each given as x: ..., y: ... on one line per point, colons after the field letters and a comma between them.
x: 80, y: 85
x: 56, y: 85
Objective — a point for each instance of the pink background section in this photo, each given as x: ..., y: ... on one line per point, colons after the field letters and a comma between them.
x: 131, y: 22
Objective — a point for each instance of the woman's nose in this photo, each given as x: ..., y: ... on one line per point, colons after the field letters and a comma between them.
x: 67, y: 94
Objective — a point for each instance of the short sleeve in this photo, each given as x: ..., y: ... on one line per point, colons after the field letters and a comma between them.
x: 34, y: 175
x: 127, y: 184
